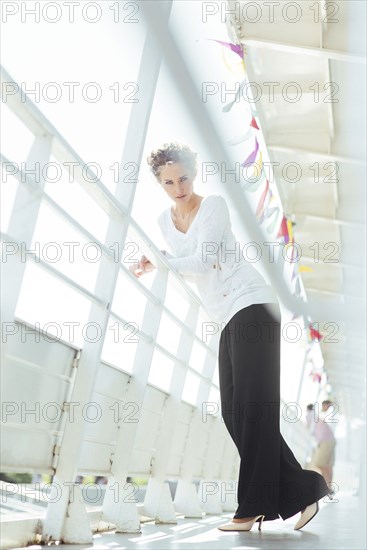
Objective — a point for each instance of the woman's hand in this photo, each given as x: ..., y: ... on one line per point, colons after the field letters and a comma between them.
x: 141, y: 267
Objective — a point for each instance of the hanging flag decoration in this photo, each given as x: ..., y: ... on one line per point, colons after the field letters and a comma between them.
x: 290, y: 229
x: 290, y: 243
x: 314, y: 334
x: 236, y: 48
x: 236, y: 68
x: 252, y: 156
x: 283, y: 230
x: 258, y: 166
x: 264, y: 210
x: 254, y: 124
x: 316, y: 376
x: 260, y: 206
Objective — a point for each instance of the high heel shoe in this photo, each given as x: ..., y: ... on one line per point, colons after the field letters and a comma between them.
x: 245, y: 526
x: 307, y: 514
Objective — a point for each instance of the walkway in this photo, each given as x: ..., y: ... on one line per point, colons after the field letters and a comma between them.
x: 338, y: 525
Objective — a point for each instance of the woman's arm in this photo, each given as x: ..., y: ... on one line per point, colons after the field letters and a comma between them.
x: 144, y: 265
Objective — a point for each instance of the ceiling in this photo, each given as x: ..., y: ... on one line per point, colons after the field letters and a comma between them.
x: 325, y: 57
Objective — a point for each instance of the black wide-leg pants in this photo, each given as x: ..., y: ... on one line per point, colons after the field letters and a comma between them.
x: 271, y: 480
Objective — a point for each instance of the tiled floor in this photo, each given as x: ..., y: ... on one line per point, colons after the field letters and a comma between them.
x: 338, y: 525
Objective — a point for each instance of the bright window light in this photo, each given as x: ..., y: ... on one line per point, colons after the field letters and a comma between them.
x: 120, y: 343
x: 169, y: 334
x: 53, y: 306
x: 16, y: 137
x: 161, y: 371
x: 78, y: 260
x: 71, y: 196
x: 191, y: 388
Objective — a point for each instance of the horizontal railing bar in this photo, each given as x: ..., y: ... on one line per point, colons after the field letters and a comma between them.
x: 28, y: 469
x: 58, y: 274
x: 26, y: 427
x: 100, y: 442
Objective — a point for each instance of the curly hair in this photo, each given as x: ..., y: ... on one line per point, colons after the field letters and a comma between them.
x: 172, y: 152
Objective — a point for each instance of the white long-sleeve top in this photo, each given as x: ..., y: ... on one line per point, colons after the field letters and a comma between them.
x: 208, y: 255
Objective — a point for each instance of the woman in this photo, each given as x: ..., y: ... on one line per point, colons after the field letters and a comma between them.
x: 198, y: 230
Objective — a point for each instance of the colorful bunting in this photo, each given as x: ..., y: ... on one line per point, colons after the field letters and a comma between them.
x: 265, y: 209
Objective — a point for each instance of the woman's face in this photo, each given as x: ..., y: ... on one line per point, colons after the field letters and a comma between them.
x: 177, y: 181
